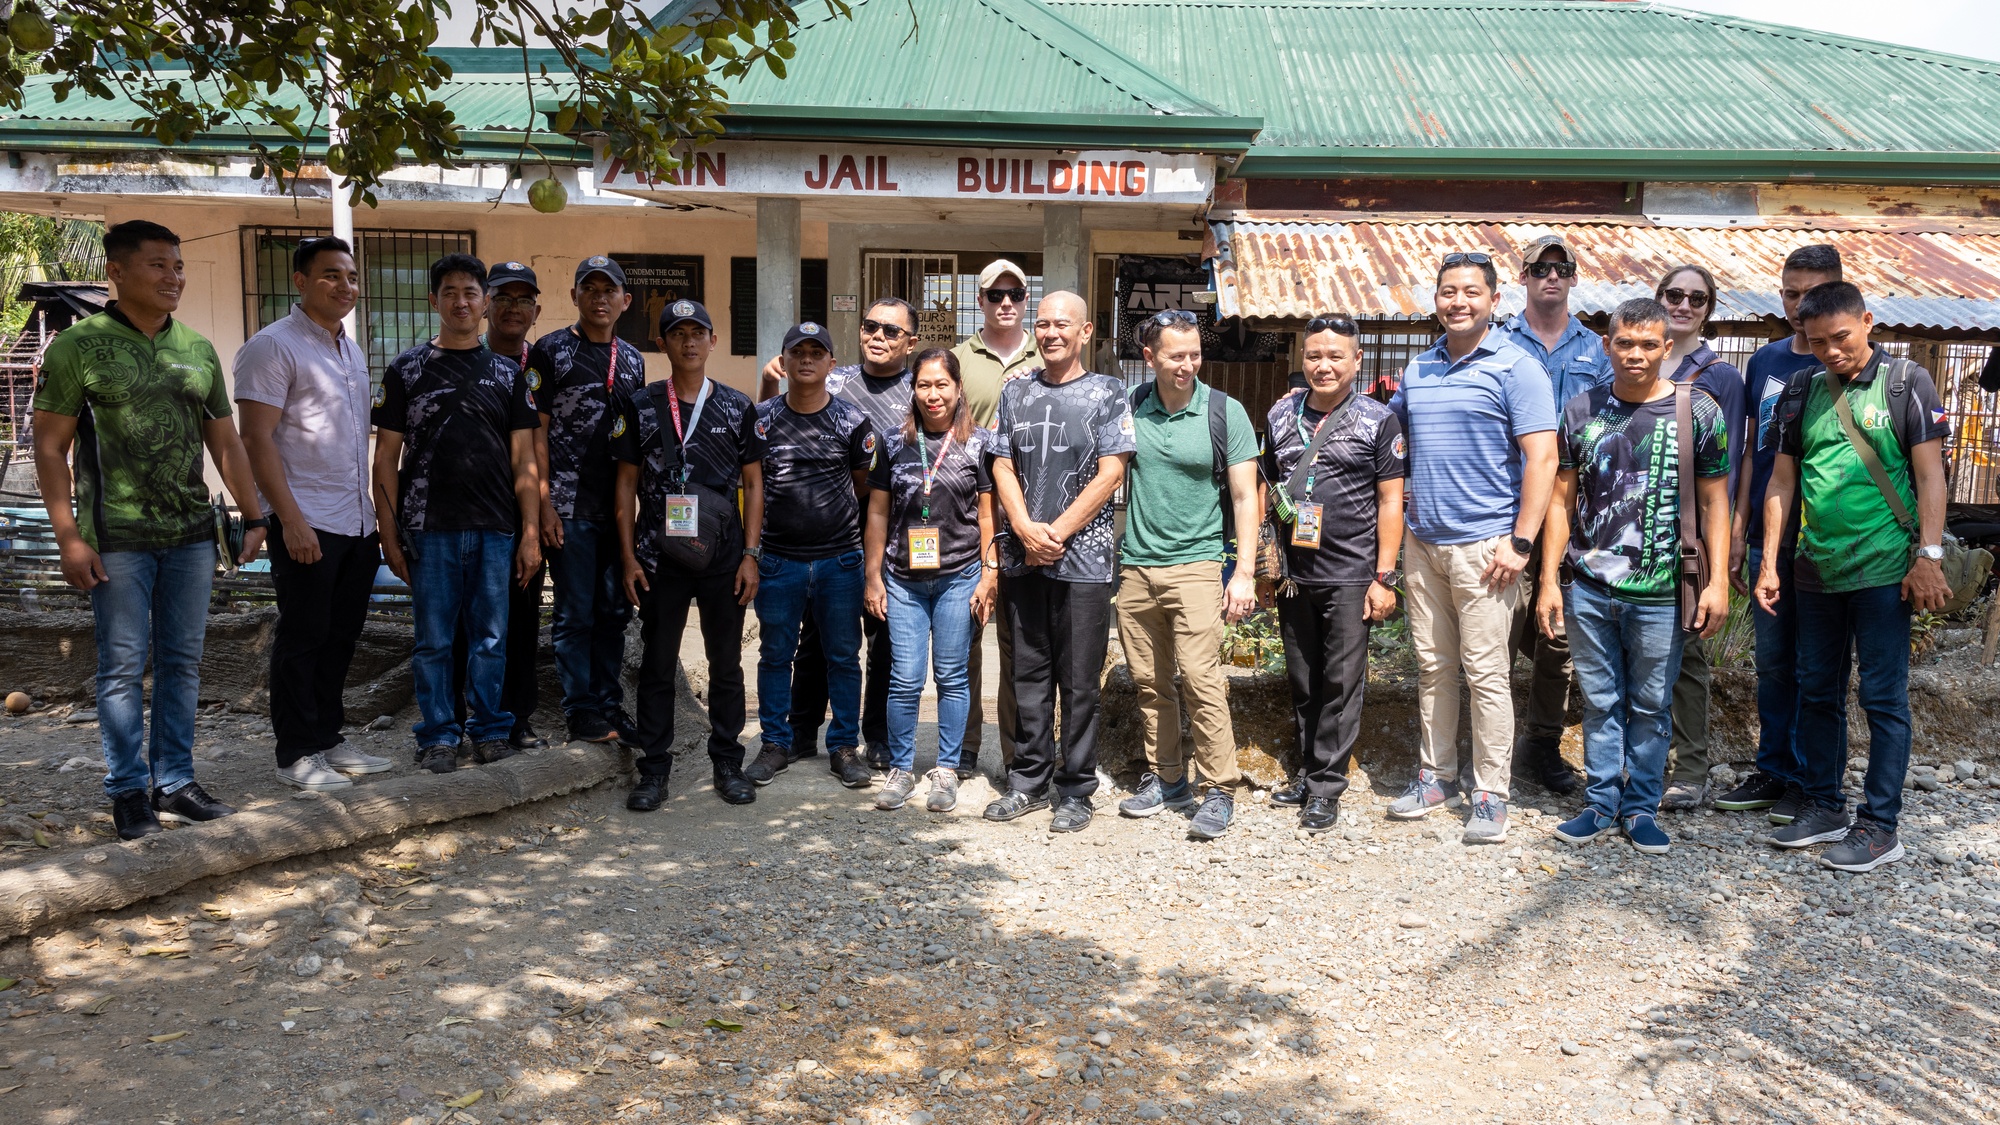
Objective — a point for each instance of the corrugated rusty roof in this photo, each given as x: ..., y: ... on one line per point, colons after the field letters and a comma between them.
x: 1377, y: 270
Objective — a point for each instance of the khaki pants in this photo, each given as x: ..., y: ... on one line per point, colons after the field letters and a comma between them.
x: 1455, y: 622
x: 1168, y: 616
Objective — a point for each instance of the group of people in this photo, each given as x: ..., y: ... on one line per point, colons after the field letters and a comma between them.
x: 1533, y: 488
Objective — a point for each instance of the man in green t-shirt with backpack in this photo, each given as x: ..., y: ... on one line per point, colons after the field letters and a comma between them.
x: 1860, y: 441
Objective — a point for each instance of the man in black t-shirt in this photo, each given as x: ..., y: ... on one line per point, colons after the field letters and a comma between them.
x: 455, y: 481
x: 818, y: 450
x: 880, y: 386
x: 689, y: 440
x: 582, y: 377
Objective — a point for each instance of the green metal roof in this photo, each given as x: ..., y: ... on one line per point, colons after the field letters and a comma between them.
x: 1561, y: 89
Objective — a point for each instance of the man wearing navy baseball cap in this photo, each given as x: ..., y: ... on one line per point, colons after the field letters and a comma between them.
x: 818, y: 451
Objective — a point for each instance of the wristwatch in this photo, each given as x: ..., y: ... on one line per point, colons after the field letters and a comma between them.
x: 1931, y: 551
x: 1522, y: 547
x: 754, y: 553
x: 1389, y: 578
x: 263, y: 522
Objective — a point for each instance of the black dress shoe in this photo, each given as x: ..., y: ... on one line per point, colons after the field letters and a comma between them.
x: 1291, y: 794
x: 190, y: 804
x: 1541, y: 759
x: 878, y: 759
x: 132, y: 814
x: 732, y: 786
x: 1319, y: 814
x: 649, y: 794
x: 626, y: 727
x: 525, y: 738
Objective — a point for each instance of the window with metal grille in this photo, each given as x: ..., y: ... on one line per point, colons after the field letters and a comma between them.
x: 394, y: 312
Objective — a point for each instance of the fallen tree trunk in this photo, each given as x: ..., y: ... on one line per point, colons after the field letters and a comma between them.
x: 113, y: 875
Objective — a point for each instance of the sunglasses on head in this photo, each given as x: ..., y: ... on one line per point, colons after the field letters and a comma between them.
x: 1692, y: 298
x: 1463, y: 258
x: 1174, y: 316
x: 890, y: 332
x: 1017, y: 294
x: 1335, y: 323
x: 1544, y: 269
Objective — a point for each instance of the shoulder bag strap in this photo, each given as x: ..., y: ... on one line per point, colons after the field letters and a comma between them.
x: 1692, y: 569
x: 1326, y: 427
x: 1869, y: 459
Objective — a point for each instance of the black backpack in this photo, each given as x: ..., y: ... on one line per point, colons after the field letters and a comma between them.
x: 1218, y: 439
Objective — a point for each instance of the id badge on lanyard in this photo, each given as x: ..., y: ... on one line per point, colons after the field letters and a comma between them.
x: 683, y: 516
x: 1306, y: 531
x: 684, y: 509
x: 1308, y: 517
x: 925, y: 550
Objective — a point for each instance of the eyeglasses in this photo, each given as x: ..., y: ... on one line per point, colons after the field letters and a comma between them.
x: 890, y: 332
x: 1174, y: 316
x: 1335, y: 323
x: 1692, y: 298
x: 1017, y: 294
x: 1560, y: 269
x: 1463, y: 258
x: 501, y: 301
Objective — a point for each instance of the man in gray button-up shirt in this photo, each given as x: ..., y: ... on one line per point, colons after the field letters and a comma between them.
x: 302, y: 387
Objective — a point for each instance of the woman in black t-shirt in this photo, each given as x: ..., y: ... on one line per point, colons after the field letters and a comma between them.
x: 928, y: 543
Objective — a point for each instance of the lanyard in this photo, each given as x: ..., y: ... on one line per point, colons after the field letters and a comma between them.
x: 1299, y: 420
x: 930, y: 472
x: 693, y: 419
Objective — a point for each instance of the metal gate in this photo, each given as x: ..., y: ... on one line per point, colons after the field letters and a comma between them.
x: 927, y: 281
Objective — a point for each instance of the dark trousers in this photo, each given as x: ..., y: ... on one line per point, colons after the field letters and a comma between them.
x: 663, y: 614
x: 521, y: 691
x: 1777, y: 681
x: 1061, y: 630
x: 1870, y: 629
x: 321, y: 608
x: 809, y: 698
x: 1548, y: 687
x: 1687, y: 757
x: 1326, y: 657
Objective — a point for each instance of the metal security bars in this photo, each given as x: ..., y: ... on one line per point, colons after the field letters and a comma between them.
x: 395, y: 310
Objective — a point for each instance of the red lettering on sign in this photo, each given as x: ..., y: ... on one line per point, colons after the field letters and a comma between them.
x: 817, y: 184
x: 884, y: 183
x: 996, y: 176
x: 1103, y: 178
x: 968, y: 173
x: 1028, y: 184
x: 1062, y: 177
x: 846, y: 172
x: 712, y: 167
x: 1132, y: 178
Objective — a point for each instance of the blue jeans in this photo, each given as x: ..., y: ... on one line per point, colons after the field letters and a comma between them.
x: 929, y: 618
x: 829, y: 589
x: 461, y: 575
x: 588, y: 627
x: 1777, y: 679
x: 1627, y: 658
x: 157, y: 599
x: 1873, y: 626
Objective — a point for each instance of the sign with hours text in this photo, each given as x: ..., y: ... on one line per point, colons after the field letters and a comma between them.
x: 911, y: 172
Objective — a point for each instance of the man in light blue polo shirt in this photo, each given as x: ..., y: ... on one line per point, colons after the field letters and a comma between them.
x: 1574, y: 358
x: 1481, y: 426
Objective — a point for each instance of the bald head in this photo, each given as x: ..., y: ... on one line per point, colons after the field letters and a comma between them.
x: 1062, y: 330
x: 1062, y: 303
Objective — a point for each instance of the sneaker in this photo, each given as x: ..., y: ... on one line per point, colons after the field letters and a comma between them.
x: 1866, y: 846
x: 314, y: 772
x: 850, y: 769
x: 944, y: 790
x: 1683, y: 795
x: 585, y: 726
x: 731, y: 785
x: 1428, y: 790
x: 1644, y: 832
x: 1218, y: 808
x: 1758, y: 791
x: 490, y: 750
x: 441, y: 758
x: 896, y: 789
x: 1790, y: 804
x: 1319, y: 814
x: 1073, y: 814
x: 879, y: 759
x: 649, y: 794
x: 1291, y: 794
x: 525, y: 738
x: 1489, y: 820
x: 347, y: 759
x: 190, y: 804
x: 771, y: 761
x: 1014, y: 804
x: 132, y: 814
x: 1815, y: 824
x: 1152, y: 795
x: 965, y: 772
x: 1585, y: 826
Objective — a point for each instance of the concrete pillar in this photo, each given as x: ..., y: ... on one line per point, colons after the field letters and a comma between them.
x: 777, y: 273
x: 843, y: 278
x: 1065, y: 248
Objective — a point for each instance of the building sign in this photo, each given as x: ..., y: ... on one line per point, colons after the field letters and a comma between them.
x: 910, y: 172
x: 655, y: 280
x: 1148, y: 285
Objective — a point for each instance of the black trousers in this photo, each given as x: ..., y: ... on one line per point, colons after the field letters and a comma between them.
x: 1326, y: 656
x: 321, y: 609
x: 809, y: 700
x: 662, y: 618
x: 1061, y: 630
x: 521, y: 691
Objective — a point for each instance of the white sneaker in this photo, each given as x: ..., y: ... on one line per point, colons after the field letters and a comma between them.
x: 347, y: 759
x: 313, y: 772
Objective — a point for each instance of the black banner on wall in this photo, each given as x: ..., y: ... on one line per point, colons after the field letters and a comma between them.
x: 655, y: 281
x: 1148, y: 285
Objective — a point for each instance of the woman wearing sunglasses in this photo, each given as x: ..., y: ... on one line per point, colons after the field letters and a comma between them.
x: 929, y: 533
x: 1688, y: 292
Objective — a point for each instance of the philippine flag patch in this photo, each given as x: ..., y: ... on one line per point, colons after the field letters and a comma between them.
x: 1939, y: 414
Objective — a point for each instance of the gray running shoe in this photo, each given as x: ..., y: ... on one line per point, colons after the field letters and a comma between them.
x: 1154, y: 795
x: 1788, y: 807
x: 1816, y: 824
x: 1428, y: 790
x: 1683, y: 795
x: 1866, y: 847
x: 346, y: 759
x: 895, y: 789
x: 1489, y: 820
x: 1218, y: 808
x: 944, y: 790
x: 312, y: 772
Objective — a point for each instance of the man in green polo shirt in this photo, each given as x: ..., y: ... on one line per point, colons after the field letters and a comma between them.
x: 140, y: 395
x: 1172, y: 602
x: 1860, y: 440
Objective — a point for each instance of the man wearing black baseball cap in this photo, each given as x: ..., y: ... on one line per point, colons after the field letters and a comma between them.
x: 818, y: 451
x: 582, y: 376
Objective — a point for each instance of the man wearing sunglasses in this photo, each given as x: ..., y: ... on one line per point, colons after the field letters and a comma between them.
x: 880, y: 386
x: 1480, y: 420
x: 1574, y: 358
